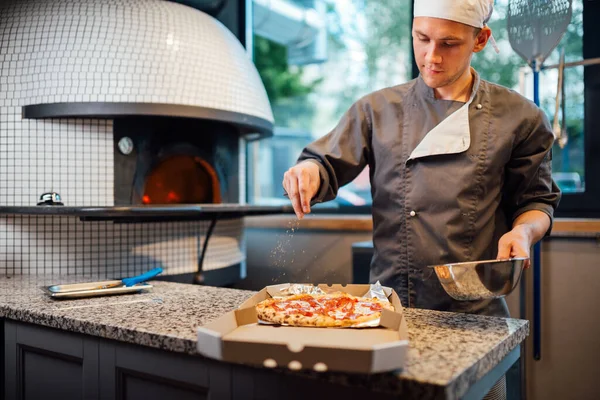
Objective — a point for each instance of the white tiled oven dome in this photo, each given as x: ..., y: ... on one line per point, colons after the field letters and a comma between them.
x: 113, y: 52
x: 124, y: 51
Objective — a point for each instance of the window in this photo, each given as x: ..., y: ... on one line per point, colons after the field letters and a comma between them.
x: 568, y: 153
x: 569, y: 162
x: 313, y: 75
x: 508, y: 69
x: 361, y: 46
x: 582, y: 117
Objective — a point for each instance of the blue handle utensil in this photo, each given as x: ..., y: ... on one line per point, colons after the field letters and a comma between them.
x: 94, y: 286
x: 134, y: 280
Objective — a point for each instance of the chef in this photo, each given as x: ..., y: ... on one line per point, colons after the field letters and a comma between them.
x: 460, y: 168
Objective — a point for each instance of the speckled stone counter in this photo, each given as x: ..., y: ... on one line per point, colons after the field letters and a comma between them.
x: 448, y: 352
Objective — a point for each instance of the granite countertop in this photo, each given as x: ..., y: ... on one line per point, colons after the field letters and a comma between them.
x: 448, y: 352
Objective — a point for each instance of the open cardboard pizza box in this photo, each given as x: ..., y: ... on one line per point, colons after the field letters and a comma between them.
x: 237, y: 337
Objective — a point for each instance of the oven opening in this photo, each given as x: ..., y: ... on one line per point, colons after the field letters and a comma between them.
x: 182, y: 179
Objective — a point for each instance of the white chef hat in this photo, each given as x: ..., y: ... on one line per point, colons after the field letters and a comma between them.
x: 475, y: 13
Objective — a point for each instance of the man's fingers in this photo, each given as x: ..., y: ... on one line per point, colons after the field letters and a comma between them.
x: 304, y: 189
x: 504, y: 249
x: 514, y: 245
x: 511, y: 249
x: 518, y: 250
x: 285, y: 183
x: 297, y: 207
x: 301, y: 184
x: 295, y: 198
x: 293, y: 194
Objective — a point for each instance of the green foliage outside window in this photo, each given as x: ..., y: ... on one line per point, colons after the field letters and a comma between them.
x: 382, y: 35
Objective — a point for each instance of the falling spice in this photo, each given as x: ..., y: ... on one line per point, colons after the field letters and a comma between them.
x: 283, y: 253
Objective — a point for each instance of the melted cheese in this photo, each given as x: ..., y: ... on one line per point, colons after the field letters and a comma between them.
x: 363, y: 309
x: 295, y: 306
x: 337, y: 314
x: 302, y: 304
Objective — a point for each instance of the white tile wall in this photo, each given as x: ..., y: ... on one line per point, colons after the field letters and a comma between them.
x: 108, y: 51
x: 64, y: 245
x: 71, y: 157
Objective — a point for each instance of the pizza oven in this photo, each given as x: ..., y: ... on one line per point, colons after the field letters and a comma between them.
x: 137, y: 113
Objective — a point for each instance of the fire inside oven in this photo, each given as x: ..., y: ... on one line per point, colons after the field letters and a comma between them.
x: 168, y: 161
x: 182, y: 179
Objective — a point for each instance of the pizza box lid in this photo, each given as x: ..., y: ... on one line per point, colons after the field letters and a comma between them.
x: 237, y: 337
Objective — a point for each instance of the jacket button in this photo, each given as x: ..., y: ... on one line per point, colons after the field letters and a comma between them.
x: 478, y: 106
x: 412, y: 213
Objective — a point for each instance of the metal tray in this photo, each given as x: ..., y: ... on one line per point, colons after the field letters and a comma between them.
x: 93, y: 289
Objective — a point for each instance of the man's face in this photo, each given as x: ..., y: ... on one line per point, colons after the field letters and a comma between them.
x: 443, y: 49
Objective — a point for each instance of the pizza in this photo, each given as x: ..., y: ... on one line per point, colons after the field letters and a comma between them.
x: 321, y: 310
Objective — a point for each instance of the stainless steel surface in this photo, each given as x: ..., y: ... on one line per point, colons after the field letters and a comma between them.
x: 93, y: 289
x: 478, y: 280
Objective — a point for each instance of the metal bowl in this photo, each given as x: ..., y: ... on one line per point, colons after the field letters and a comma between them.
x: 479, y: 280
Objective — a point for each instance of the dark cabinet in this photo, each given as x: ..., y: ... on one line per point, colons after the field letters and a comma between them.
x: 41, y: 362
x: 46, y: 363
x: 135, y: 372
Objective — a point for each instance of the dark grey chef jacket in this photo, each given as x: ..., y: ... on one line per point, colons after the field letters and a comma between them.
x: 439, y: 208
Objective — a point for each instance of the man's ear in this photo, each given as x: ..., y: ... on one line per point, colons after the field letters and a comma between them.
x: 482, y: 39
